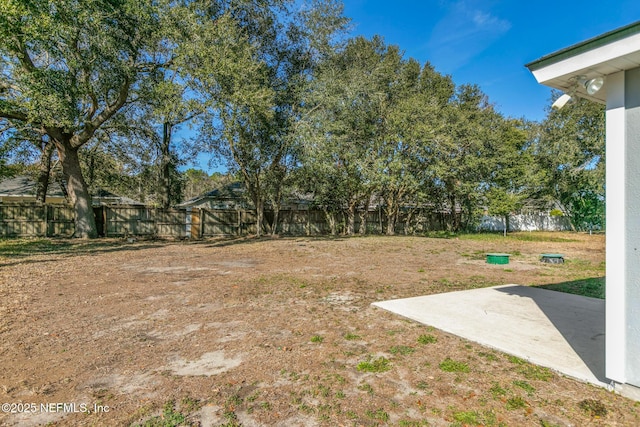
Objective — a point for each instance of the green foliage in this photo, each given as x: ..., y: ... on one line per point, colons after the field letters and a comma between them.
x: 317, y: 339
x: 570, y: 153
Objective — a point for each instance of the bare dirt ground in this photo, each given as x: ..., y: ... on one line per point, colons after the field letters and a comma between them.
x: 274, y: 332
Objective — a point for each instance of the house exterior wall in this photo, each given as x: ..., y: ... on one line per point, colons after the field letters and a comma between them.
x: 623, y: 227
x: 632, y: 294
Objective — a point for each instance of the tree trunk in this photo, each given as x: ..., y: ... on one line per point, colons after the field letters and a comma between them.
x: 276, y: 214
x: 407, y: 223
x: 351, y: 218
x: 44, y: 171
x: 507, y: 224
x: 165, y: 167
x: 259, y: 203
x: 392, y: 216
x: 85, y: 221
x: 331, y: 220
x: 363, y: 215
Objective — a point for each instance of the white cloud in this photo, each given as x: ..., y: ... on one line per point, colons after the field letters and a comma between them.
x: 467, y: 28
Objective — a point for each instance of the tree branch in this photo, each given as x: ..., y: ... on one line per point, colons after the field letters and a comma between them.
x: 93, y: 124
x: 13, y: 115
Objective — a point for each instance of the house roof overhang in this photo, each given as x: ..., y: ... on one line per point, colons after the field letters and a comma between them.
x: 615, y: 51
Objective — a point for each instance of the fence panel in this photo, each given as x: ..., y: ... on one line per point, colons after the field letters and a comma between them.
x: 221, y: 222
x: 172, y: 222
x: 60, y: 222
x: 130, y: 221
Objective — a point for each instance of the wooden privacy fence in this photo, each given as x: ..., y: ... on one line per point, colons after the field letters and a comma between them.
x: 39, y: 220
x: 29, y: 220
x: 33, y: 220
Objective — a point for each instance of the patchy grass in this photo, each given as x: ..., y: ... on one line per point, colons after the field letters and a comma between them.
x: 402, y: 350
x: 593, y: 407
x: 23, y: 247
x: 427, y: 339
x: 380, y: 364
x: 517, y: 236
x: 120, y: 314
x: 450, y: 365
x: 169, y: 418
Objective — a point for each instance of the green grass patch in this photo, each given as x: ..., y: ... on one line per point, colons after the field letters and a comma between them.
x: 412, y: 423
x: 593, y: 407
x: 380, y: 364
x: 351, y: 337
x: 525, y: 386
x: 520, y: 236
x: 593, y: 287
x: 474, y: 418
x: 497, y: 391
x: 317, y: 339
x: 427, y: 339
x: 379, y: 414
x: 516, y: 403
x: 401, y: 349
x: 533, y: 372
x: 169, y: 418
x: 450, y: 365
x: 468, y: 417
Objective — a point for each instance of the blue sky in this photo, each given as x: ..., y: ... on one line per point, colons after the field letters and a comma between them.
x: 487, y: 42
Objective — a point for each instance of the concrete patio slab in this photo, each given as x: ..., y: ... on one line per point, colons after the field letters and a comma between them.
x: 560, y: 331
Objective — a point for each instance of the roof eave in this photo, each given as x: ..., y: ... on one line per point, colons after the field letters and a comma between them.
x: 585, y: 46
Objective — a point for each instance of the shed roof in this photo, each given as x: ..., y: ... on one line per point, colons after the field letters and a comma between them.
x: 617, y: 50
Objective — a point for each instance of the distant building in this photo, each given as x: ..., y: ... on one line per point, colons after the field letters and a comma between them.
x: 230, y: 196
x: 22, y: 189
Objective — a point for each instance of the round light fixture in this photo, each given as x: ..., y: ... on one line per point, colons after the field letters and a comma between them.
x: 594, y: 85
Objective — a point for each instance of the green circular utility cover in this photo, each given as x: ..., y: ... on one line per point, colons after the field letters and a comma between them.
x: 497, y: 258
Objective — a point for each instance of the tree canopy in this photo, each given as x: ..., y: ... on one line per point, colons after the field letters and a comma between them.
x: 121, y: 94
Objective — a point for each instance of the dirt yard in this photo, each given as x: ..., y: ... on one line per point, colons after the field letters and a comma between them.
x: 275, y: 332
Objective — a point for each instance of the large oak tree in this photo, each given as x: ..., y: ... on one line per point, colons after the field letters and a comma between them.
x: 69, y: 66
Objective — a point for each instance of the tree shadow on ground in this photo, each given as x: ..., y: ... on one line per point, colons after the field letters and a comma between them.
x: 593, y: 287
x: 579, y: 319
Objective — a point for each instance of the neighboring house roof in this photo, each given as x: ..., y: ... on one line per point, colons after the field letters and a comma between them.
x: 104, y: 197
x: 23, y: 186
x: 228, y: 196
